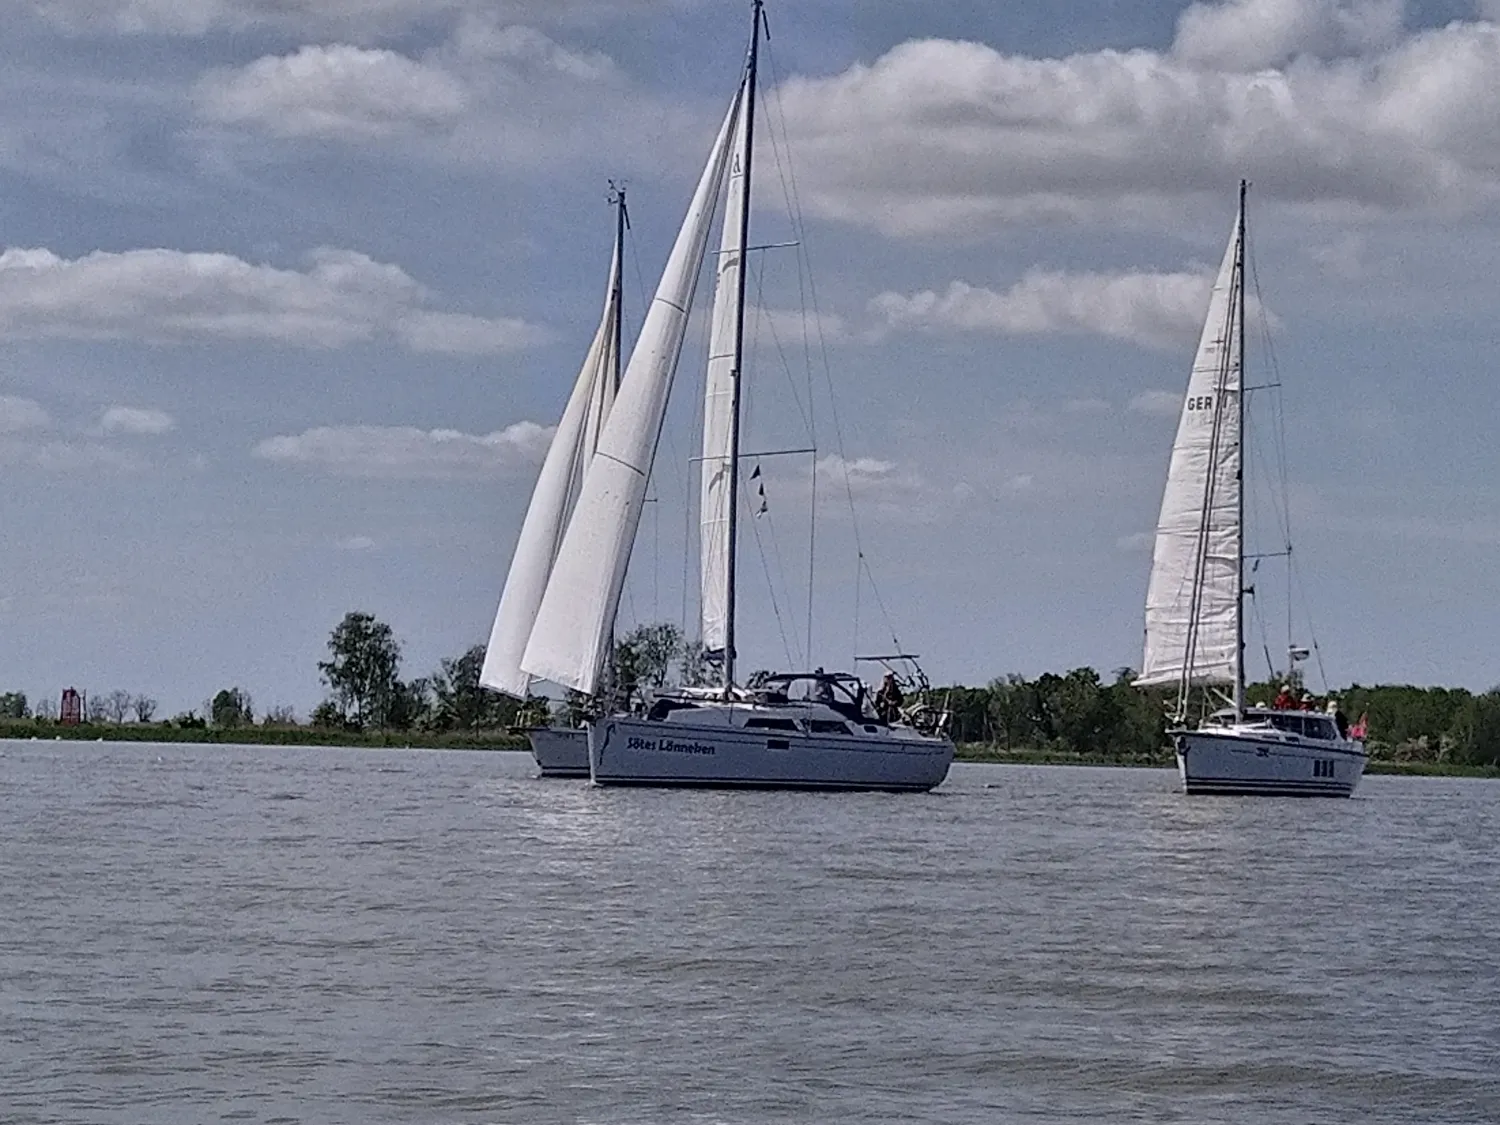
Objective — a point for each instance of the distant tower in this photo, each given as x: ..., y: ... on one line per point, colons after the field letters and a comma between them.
x: 71, y: 712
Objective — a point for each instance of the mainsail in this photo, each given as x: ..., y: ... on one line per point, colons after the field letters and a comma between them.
x: 718, y: 412
x: 1193, y: 601
x: 551, y: 499
x: 569, y: 639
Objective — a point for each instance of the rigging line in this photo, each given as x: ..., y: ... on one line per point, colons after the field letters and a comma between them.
x: 812, y: 544
x: 803, y: 267
x: 761, y: 313
x: 781, y: 577
x: 771, y: 589
x: 874, y: 589
x: 799, y: 228
x: 1296, y: 584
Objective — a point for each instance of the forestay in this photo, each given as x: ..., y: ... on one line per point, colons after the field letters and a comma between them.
x: 1193, y: 601
x: 556, y: 487
x: 570, y: 637
x: 718, y: 412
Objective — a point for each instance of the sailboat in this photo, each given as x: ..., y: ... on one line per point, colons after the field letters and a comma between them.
x: 559, y: 751
x: 1195, y: 634
x: 798, y: 730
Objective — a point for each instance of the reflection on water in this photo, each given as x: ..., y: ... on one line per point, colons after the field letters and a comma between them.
x: 196, y: 934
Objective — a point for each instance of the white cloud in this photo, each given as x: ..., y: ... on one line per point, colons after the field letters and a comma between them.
x: 68, y: 456
x: 20, y: 414
x: 405, y: 452
x: 1162, y: 403
x: 1154, y: 310
x: 1140, y: 541
x: 861, y: 472
x: 1087, y: 406
x: 168, y: 296
x: 355, y: 543
x: 337, y: 91
x: 1343, y: 258
x: 939, y: 136
x: 462, y: 334
x: 492, y: 94
x: 788, y: 326
x: 135, y: 420
x: 1249, y: 34
x: 364, y: 18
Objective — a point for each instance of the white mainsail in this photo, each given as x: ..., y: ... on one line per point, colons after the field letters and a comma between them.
x: 1193, y: 601
x: 569, y: 639
x: 556, y: 486
x: 718, y: 412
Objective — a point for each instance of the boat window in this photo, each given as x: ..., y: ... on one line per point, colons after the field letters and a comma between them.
x: 827, y: 726
x: 1290, y: 723
x: 1319, y: 728
x: 760, y: 722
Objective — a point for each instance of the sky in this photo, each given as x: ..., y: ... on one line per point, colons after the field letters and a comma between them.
x: 293, y: 291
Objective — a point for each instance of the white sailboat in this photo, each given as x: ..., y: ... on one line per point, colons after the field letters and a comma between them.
x: 1195, y: 601
x: 809, y: 730
x: 559, y: 751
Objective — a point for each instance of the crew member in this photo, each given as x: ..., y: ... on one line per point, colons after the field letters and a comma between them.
x: 888, y: 699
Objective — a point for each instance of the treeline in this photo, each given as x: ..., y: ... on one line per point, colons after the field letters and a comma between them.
x: 1079, y: 714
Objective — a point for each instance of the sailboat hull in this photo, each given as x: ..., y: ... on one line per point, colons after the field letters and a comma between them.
x: 626, y: 751
x: 1229, y: 763
x: 560, y: 751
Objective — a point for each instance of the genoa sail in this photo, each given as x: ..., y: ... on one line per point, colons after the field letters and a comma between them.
x: 718, y: 413
x: 1193, y: 601
x: 551, y: 500
x: 569, y: 640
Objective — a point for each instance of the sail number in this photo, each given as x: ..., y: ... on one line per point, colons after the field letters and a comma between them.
x: 1200, y: 402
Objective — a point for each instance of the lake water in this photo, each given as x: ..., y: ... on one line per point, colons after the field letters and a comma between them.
x: 193, y: 934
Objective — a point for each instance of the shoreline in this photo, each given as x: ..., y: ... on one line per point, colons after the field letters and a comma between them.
x: 315, y: 737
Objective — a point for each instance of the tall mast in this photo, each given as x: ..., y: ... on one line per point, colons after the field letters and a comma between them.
x: 617, y: 197
x: 747, y: 107
x: 1239, y: 596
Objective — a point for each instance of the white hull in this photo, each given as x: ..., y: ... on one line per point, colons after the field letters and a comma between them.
x: 559, y: 751
x: 1244, y: 764
x: 628, y: 751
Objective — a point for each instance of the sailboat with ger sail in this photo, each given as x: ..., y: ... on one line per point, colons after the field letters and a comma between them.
x: 559, y: 751
x: 1195, y: 635
x: 796, y: 730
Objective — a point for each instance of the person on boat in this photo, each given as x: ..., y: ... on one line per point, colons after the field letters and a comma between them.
x: 888, y: 699
x: 1284, y: 700
x: 822, y: 688
x: 1340, y: 719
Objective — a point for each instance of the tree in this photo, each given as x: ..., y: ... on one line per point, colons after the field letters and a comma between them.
x: 410, y: 704
x: 145, y: 707
x: 280, y: 716
x: 365, y: 660
x: 230, y: 708
x: 117, y: 705
x: 13, y: 705
x: 695, y: 670
x: 643, y: 658
x: 328, y: 715
x: 46, y: 708
x: 97, y: 709
x: 462, y: 702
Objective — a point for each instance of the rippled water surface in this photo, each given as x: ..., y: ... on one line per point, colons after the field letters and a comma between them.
x: 193, y: 934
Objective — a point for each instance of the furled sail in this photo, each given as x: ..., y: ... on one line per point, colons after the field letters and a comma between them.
x: 556, y: 487
x: 1193, y: 601
x: 569, y: 639
x: 718, y: 412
